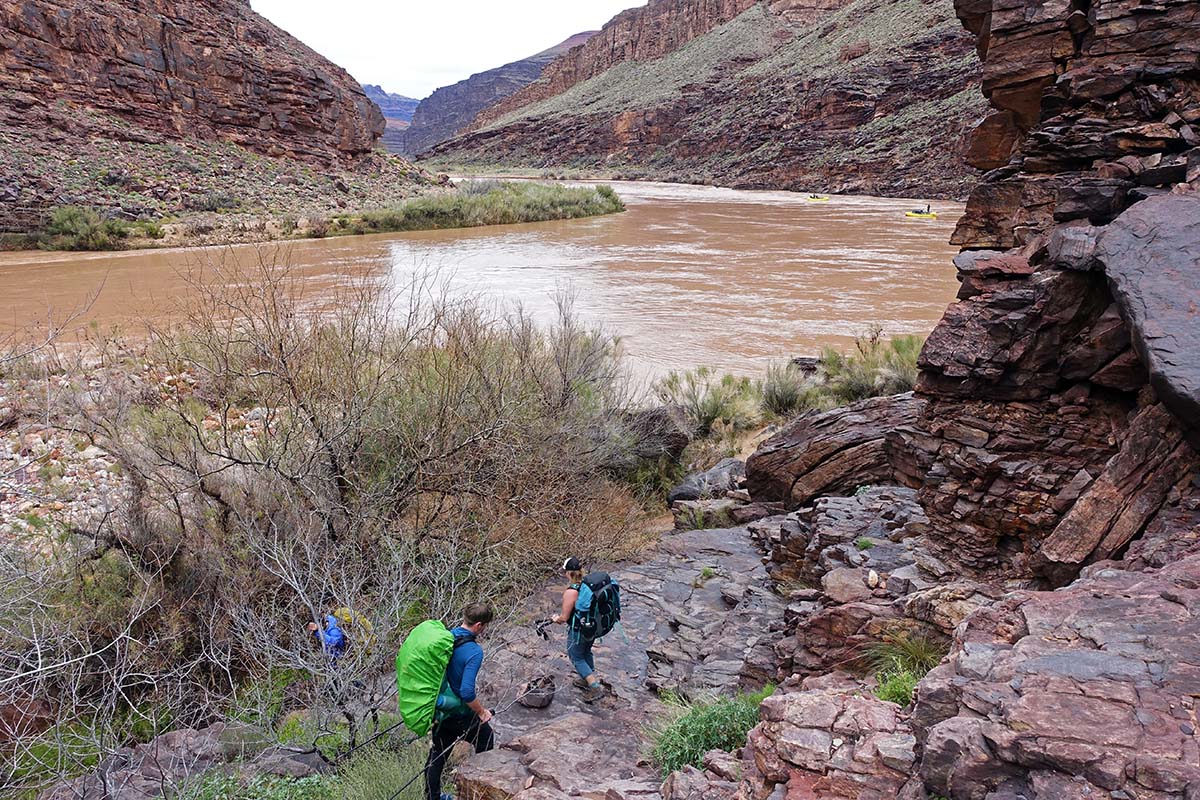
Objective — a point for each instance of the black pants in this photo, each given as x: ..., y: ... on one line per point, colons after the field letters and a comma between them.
x: 445, y: 734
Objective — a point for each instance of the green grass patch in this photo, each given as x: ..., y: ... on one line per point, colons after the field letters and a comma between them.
x: 863, y: 543
x: 378, y: 773
x: 219, y: 786
x: 691, y: 729
x: 900, y: 662
x: 484, y: 203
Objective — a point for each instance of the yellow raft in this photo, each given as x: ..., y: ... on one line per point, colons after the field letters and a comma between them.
x: 816, y: 198
x: 921, y: 215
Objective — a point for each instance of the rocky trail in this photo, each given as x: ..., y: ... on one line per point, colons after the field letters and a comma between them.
x: 700, y: 618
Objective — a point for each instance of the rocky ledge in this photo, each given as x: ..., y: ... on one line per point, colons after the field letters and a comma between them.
x: 699, y: 619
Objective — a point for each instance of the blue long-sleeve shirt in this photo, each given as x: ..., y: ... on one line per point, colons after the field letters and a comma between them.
x: 332, y: 639
x: 464, y: 667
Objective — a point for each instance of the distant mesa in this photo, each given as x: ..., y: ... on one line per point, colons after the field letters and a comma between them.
x: 452, y: 108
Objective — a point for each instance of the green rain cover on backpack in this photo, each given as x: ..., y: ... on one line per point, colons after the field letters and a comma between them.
x: 420, y: 669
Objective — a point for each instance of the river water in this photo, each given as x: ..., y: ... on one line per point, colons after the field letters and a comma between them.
x: 687, y: 276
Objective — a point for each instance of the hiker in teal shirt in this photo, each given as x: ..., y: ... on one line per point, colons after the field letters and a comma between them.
x: 579, y: 647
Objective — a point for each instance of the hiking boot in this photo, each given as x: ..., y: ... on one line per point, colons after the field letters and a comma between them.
x: 579, y: 683
x: 593, y: 693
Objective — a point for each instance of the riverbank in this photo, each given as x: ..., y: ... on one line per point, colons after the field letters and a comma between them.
x: 474, y: 204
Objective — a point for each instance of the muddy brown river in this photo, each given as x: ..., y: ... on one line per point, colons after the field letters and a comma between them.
x: 687, y: 276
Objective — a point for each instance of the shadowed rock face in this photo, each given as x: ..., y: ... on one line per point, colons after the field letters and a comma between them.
x: 1051, y: 448
x: 181, y: 67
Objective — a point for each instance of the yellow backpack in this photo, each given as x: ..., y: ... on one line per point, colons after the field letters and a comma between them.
x: 358, y: 629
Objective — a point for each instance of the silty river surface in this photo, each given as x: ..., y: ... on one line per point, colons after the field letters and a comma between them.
x: 688, y: 276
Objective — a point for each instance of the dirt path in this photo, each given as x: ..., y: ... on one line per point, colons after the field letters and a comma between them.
x: 696, y: 621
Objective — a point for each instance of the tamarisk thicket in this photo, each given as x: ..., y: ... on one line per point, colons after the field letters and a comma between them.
x: 397, y: 454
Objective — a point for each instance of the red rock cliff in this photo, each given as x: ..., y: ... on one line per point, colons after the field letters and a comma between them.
x: 639, y: 34
x: 207, y: 68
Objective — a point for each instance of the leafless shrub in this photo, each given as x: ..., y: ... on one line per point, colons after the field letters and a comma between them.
x: 285, y: 454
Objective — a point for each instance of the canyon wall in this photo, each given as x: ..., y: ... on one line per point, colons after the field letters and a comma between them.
x: 199, y: 111
x: 453, y: 108
x: 211, y: 68
x: 397, y: 114
x: 639, y: 34
x: 878, y: 96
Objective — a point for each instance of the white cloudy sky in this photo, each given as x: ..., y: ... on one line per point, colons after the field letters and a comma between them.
x: 412, y: 47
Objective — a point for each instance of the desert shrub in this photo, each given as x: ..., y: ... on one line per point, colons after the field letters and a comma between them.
x: 787, y: 391
x: 707, y: 399
x: 75, y: 228
x: 691, y: 729
x: 405, y: 455
x: 378, y: 773
x: 216, y: 201
x: 900, y: 662
x: 493, y: 203
x: 874, y: 368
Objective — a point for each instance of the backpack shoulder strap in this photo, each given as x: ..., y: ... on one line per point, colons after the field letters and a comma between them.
x: 462, y: 639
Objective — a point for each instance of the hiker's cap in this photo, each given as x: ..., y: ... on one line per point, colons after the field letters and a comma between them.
x: 572, y: 564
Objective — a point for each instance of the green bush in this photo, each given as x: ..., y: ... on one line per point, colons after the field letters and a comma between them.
x: 692, y: 729
x: 875, y: 367
x: 216, y: 201
x: 489, y: 203
x: 863, y: 543
x: 787, y: 391
x: 706, y: 399
x: 378, y: 773
x: 900, y: 662
x: 76, y: 228
x: 219, y: 786
x: 897, y: 687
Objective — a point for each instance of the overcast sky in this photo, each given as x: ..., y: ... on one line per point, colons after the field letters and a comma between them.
x: 412, y: 47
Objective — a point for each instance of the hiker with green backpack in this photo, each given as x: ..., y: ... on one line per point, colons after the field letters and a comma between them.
x: 436, y: 671
x: 591, y: 607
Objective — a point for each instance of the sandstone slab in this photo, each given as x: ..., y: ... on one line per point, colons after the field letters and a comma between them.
x: 1151, y: 255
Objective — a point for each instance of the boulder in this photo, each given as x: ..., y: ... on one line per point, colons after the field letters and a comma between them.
x: 1089, y: 687
x: 170, y: 760
x: 710, y: 483
x: 1151, y: 255
x: 831, y: 452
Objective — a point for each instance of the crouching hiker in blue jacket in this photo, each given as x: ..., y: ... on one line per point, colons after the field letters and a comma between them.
x: 333, y: 639
x: 459, y: 713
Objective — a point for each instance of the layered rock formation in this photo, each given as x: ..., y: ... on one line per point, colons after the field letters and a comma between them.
x: 453, y: 108
x: 639, y: 34
x: 1051, y: 442
x: 158, y: 108
x: 879, y: 95
x: 397, y: 114
x: 181, y: 67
